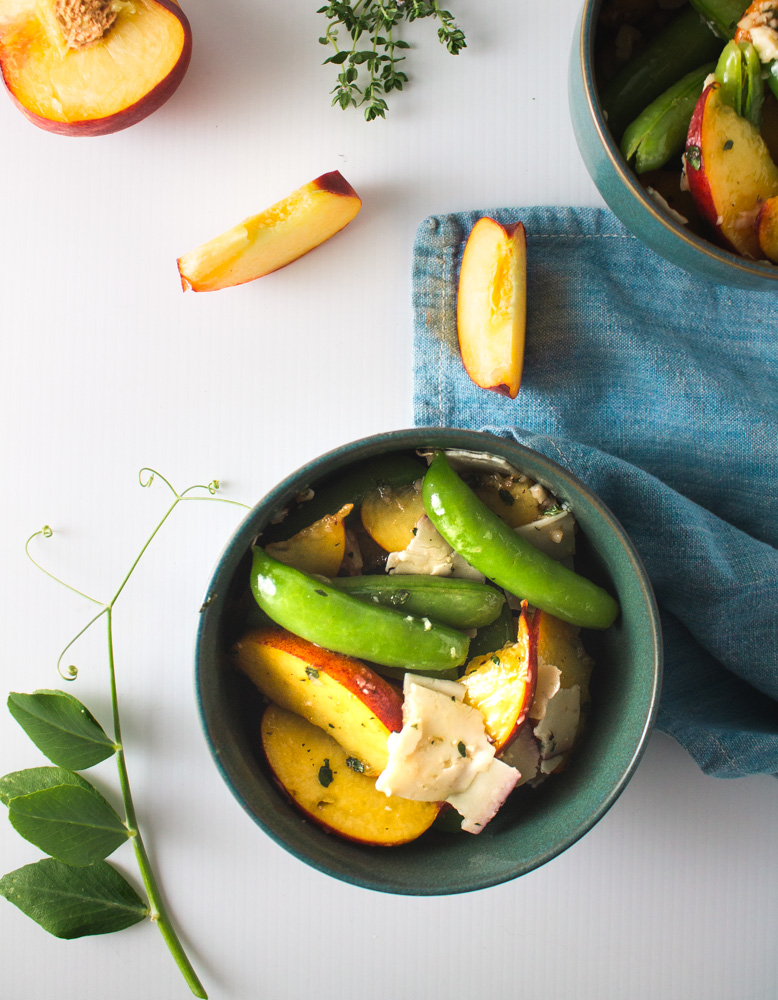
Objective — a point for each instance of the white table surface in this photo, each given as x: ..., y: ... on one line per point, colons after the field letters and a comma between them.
x: 108, y: 367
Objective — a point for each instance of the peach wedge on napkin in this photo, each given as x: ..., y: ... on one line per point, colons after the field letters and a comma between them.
x: 492, y: 305
x: 273, y: 238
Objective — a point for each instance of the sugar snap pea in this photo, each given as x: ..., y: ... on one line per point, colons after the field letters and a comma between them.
x: 322, y: 614
x: 444, y: 599
x: 659, y: 132
x: 721, y: 15
x: 506, y: 558
x: 739, y: 72
x: 494, y: 636
x: 686, y: 42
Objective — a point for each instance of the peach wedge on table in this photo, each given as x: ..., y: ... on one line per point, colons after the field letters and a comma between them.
x: 92, y: 68
x: 273, y: 238
x: 329, y: 787
x: 501, y: 684
x: 730, y: 172
x: 492, y: 305
x: 341, y: 695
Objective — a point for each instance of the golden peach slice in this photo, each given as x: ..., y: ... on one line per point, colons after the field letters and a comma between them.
x: 390, y: 514
x: 318, y: 549
x: 729, y: 170
x: 501, y: 685
x: 767, y: 229
x: 511, y: 499
x: 273, y: 238
x: 91, y: 67
x: 492, y: 305
x: 329, y: 787
x: 337, y: 693
x: 560, y: 643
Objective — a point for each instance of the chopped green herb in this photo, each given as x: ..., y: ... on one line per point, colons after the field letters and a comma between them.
x: 312, y: 672
x: 462, y: 749
x: 552, y: 511
x: 507, y: 497
x: 729, y: 144
x: 355, y: 765
x: 495, y: 659
x: 325, y: 774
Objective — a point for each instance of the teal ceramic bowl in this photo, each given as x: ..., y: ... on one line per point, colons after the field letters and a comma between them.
x: 535, y: 825
x: 624, y: 194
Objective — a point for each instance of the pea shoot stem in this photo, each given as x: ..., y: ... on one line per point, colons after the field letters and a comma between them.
x: 158, y: 912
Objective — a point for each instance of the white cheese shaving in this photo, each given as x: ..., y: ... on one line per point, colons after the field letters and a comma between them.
x: 765, y: 41
x: 442, y: 754
x: 429, y: 554
x: 554, y: 535
x: 557, y: 729
x: 546, y: 687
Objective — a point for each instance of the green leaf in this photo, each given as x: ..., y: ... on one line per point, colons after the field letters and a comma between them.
x: 63, y: 728
x: 33, y: 779
x: 71, y: 902
x: 73, y: 824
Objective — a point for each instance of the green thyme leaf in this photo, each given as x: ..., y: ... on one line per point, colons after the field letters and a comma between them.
x: 325, y: 774
x: 462, y: 749
x: 71, y: 902
x: 355, y: 765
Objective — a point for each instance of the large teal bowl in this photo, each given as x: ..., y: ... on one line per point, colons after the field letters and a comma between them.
x: 624, y: 194
x: 535, y: 825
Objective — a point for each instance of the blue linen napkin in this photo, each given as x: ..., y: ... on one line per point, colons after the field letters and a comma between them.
x: 660, y: 391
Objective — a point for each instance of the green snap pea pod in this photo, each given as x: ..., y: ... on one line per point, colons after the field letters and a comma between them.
x: 686, y: 42
x: 444, y: 599
x: 659, y: 133
x: 321, y: 613
x: 506, y: 558
x: 721, y: 15
x: 739, y: 72
x: 495, y: 635
x: 396, y: 469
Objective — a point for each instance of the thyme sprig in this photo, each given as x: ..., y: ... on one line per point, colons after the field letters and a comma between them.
x: 370, y: 63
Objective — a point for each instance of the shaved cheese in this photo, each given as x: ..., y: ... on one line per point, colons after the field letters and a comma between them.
x: 557, y: 730
x: 429, y: 554
x: 442, y: 754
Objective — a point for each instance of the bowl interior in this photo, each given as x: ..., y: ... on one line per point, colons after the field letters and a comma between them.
x: 535, y: 825
x: 623, y: 192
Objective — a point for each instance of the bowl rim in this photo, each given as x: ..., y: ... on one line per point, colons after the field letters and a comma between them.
x: 410, y: 438
x: 761, y: 269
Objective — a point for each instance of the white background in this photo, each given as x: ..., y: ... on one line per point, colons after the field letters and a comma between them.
x: 107, y: 367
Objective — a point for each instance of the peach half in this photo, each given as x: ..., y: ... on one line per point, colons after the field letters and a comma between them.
x: 92, y: 67
x: 492, y: 305
x: 274, y: 238
x: 730, y: 172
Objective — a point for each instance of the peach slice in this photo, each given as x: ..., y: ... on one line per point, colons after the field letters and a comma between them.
x: 317, y: 549
x: 274, y: 238
x: 560, y: 643
x: 492, y: 305
x: 329, y: 787
x: 337, y: 693
x: 92, y: 67
x: 390, y: 514
x: 511, y: 499
x: 767, y: 229
x: 730, y: 171
x: 501, y: 685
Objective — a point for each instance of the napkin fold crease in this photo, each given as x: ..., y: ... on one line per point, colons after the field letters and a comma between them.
x: 659, y: 390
